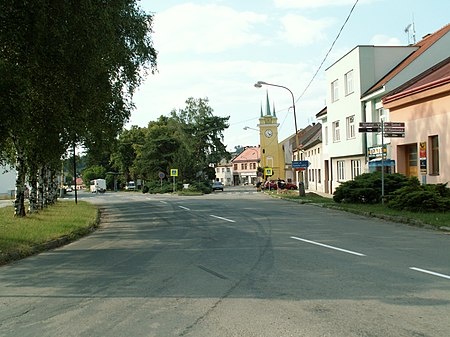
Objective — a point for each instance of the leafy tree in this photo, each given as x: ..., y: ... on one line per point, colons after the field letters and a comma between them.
x: 93, y: 172
x: 201, y: 133
x: 68, y: 70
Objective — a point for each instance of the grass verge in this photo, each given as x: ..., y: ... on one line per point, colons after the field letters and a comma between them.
x: 57, y: 225
x: 434, y: 219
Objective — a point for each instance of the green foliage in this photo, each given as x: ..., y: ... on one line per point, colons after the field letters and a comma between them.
x: 189, y: 141
x: 200, y: 186
x: 421, y: 198
x: 66, y: 77
x: 366, y: 188
x: 155, y: 186
x: 93, y: 172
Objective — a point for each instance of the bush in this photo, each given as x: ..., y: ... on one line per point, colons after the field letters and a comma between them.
x: 200, y: 186
x: 155, y: 186
x: 421, y: 198
x: 366, y: 188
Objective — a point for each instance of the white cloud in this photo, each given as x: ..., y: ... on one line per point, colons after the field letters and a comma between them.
x: 204, y: 29
x: 300, y: 31
x: 384, y: 40
x: 315, y: 3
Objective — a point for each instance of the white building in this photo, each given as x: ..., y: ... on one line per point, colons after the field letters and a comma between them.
x: 7, y: 181
x: 344, y: 148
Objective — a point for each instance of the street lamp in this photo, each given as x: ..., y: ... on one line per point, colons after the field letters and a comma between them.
x: 259, y: 84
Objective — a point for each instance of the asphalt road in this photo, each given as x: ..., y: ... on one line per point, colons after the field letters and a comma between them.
x: 234, y: 263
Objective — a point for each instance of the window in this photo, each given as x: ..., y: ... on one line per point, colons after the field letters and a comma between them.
x: 336, y: 132
x: 319, y: 180
x: 326, y: 135
x: 235, y: 167
x: 340, y: 169
x: 334, y: 91
x: 351, y: 127
x: 349, y: 82
x: 434, y: 160
x: 356, y: 168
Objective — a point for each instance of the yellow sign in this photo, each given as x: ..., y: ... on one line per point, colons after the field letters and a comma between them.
x: 174, y: 172
x: 268, y: 171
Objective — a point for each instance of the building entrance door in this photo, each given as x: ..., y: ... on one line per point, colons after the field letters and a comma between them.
x: 412, y: 164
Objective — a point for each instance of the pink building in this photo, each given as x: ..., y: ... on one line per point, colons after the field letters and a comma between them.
x: 424, y: 105
x: 245, y: 166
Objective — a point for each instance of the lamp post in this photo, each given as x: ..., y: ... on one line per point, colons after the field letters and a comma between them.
x: 259, y: 84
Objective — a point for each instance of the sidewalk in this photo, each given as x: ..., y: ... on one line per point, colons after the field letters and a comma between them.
x: 322, y: 194
x: 5, y: 203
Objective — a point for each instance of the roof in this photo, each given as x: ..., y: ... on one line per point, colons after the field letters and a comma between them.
x: 423, y: 45
x: 310, y: 134
x: 432, y: 77
x: 250, y: 154
x: 322, y: 112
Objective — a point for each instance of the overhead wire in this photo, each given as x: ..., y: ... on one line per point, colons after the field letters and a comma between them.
x: 329, y: 51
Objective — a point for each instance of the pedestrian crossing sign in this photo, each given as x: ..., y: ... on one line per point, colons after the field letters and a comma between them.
x: 174, y: 172
x: 268, y: 171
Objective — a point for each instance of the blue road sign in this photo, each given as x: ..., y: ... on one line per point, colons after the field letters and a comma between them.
x: 300, y: 164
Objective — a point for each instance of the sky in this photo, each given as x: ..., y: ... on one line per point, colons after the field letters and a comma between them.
x: 218, y: 49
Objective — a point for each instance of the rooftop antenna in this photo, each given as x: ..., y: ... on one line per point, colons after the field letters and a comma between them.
x: 411, y: 31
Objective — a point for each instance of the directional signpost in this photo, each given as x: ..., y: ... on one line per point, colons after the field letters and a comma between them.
x: 388, y: 130
x: 394, y: 129
x: 300, y: 164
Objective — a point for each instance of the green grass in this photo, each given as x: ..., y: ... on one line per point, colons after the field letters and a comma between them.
x: 435, y: 219
x: 20, y: 237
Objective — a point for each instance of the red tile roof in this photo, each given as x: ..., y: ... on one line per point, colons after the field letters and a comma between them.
x: 249, y: 154
x: 423, y: 45
x: 433, y: 77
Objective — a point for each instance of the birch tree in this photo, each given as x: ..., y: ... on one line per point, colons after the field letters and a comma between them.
x: 68, y: 68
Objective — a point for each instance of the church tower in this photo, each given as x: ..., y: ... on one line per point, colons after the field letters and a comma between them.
x: 271, y: 153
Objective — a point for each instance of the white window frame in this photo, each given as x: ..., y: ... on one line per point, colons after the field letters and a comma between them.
x: 356, y: 168
x: 334, y: 90
x: 336, y: 132
x: 351, y: 127
x: 348, y: 78
x: 341, y: 170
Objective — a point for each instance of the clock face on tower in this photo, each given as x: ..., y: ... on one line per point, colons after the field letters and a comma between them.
x: 268, y: 133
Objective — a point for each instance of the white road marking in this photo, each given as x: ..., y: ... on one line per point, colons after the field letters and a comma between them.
x: 162, y: 202
x: 219, y: 217
x: 185, y: 208
x: 430, y: 272
x: 327, y: 246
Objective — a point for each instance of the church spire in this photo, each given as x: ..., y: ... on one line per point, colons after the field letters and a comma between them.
x: 267, y: 104
x: 274, y: 113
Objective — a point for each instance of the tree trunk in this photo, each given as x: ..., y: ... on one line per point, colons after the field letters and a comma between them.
x: 19, y: 202
x: 41, y: 199
x: 33, y: 207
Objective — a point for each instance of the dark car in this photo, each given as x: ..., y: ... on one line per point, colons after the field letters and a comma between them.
x: 217, y: 186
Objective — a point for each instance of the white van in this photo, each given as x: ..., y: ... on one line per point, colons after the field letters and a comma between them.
x: 130, y: 186
x: 98, y: 186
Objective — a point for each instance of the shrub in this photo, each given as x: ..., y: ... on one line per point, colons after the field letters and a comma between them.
x: 421, y: 198
x: 200, y: 186
x: 366, y: 188
x: 155, y: 186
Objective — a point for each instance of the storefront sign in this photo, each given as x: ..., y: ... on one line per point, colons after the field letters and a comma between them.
x: 375, y: 152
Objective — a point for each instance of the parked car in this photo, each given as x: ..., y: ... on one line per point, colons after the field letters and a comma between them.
x: 217, y: 186
x: 130, y: 186
x: 273, y: 185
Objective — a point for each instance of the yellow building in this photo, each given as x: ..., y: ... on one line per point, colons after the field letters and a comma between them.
x: 272, y: 155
